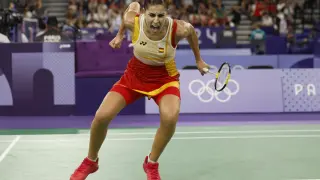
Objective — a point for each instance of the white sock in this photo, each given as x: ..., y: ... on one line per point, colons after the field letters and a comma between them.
x: 95, y: 160
x: 150, y: 161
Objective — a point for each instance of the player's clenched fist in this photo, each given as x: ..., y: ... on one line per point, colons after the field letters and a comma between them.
x: 116, y: 42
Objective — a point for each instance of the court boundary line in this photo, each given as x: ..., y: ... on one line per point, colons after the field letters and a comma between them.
x: 222, y: 132
x: 8, y: 149
x: 304, y: 179
x: 112, y: 133
x: 174, y: 138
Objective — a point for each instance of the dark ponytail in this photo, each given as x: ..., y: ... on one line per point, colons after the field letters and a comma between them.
x: 147, y: 3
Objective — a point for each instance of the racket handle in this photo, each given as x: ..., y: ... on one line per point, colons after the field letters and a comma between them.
x: 205, y: 70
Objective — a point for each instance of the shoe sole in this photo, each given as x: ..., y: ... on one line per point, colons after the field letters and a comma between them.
x: 90, y: 173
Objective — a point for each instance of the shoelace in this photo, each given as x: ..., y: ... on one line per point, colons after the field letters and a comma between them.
x: 153, y: 173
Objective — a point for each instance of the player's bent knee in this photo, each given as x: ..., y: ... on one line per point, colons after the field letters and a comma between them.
x: 104, y: 116
x: 169, y: 116
x: 112, y: 104
x: 169, y: 110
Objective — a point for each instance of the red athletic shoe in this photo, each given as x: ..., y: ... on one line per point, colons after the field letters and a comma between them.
x: 87, y: 167
x: 151, y: 169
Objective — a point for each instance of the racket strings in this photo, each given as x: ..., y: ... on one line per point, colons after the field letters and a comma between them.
x: 223, y: 77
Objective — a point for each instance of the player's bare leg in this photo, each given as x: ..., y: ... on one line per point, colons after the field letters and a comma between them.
x: 111, y: 105
x: 169, y: 112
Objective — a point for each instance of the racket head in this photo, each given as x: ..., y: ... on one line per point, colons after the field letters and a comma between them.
x: 222, y: 77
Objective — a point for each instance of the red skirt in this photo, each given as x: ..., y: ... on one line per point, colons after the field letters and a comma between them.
x: 147, y: 80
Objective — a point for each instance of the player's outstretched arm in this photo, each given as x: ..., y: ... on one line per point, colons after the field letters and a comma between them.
x: 186, y: 30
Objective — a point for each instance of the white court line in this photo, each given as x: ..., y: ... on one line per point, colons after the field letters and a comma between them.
x: 110, y: 133
x: 174, y: 138
x: 223, y: 132
x: 5, y: 153
x: 304, y: 179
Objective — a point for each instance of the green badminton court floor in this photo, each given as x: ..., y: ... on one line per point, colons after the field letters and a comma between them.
x: 264, y: 152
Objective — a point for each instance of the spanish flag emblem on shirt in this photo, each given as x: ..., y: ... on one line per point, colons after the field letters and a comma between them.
x: 161, y: 46
x: 161, y: 50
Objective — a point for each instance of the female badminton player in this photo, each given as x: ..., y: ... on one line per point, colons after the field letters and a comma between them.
x: 152, y: 73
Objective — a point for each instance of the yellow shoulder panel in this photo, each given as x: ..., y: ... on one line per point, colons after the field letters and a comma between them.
x: 136, y: 30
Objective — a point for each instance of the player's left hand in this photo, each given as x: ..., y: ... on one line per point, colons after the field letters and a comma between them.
x: 116, y: 42
x: 201, y: 66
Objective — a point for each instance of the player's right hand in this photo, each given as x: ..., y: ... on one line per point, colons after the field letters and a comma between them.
x: 202, y: 67
x: 116, y: 42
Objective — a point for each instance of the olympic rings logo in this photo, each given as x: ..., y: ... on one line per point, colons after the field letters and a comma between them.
x: 208, y: 88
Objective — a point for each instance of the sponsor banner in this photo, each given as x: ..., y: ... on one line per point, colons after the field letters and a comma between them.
x: 237, y: 62
x: 248, y: 91
x: 301, y: 90
x: 38, y: 80
x: 208, y: 37
x: 184, y: 59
